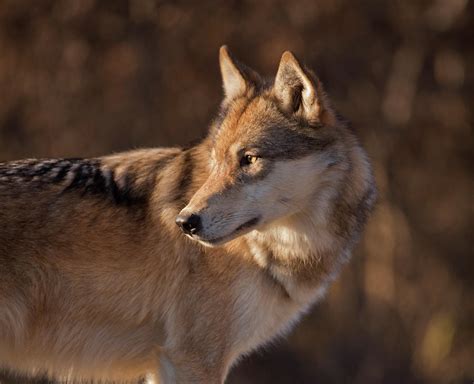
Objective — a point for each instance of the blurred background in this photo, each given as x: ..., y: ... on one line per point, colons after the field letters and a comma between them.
x: 89, y: 77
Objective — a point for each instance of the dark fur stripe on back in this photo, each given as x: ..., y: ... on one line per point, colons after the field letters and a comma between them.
x: 85, y: 176
x: 44, y: 171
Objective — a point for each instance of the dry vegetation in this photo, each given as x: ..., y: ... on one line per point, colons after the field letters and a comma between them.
x: 87, y: 77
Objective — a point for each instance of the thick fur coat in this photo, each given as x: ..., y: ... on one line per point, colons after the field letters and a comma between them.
x: 98, y: 282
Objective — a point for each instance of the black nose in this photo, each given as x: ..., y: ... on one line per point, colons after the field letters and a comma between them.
x: 189, y: 224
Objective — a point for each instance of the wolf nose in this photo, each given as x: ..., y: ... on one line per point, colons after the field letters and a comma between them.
x: 189, y: 224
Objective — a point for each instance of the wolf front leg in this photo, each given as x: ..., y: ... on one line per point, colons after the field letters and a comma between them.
x: 175, y: 369
x: 166, y: 371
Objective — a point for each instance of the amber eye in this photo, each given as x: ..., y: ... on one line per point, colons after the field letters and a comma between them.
x: 248, y: 160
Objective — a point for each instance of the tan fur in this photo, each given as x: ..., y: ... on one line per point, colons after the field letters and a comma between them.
x: 98, y: 282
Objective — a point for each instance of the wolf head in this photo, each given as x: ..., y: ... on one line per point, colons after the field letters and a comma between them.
x: 275, y: 150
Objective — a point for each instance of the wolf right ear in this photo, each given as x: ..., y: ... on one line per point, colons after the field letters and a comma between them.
x: 237, y: 79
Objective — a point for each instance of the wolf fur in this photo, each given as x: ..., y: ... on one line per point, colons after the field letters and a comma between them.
x: 98, y: 282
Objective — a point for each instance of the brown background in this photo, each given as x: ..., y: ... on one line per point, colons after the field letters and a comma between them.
x: 88, y: 77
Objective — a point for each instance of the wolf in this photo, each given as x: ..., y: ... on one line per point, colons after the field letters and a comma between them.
x: 171, y: 263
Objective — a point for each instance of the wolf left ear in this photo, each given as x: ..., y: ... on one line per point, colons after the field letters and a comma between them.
x: 237, y: 79
x: 300, y: 92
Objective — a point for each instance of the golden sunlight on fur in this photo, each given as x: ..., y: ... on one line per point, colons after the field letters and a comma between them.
x: 171, y: 263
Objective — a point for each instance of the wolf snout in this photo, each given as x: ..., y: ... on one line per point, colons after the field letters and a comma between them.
x: 190, y: 224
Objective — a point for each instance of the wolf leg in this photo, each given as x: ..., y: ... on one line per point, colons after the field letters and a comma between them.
x: 166, y: 371
x: 187, y: 371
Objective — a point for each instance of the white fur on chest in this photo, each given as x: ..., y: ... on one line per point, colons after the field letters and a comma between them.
x: 273, y: 305
x: 262, y: 312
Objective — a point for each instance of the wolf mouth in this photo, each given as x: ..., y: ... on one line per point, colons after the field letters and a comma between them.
x: 248, y: 224
x: 238, y: 230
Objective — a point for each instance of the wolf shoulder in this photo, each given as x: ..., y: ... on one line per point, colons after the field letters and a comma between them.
x: 43, y: 196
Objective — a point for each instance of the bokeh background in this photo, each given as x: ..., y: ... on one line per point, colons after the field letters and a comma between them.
x: 89, y: 77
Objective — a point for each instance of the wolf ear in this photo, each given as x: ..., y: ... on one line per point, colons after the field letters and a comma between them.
x: 236, y: 78
x: 300, y: 92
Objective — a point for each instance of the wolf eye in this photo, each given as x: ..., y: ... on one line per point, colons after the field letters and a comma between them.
x: 248, y: 160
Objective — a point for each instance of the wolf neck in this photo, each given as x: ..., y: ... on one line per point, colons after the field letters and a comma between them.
x: 296, y: 252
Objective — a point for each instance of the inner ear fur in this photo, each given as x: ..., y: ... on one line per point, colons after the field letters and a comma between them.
x: 300, y: 92
x: 237, y: 79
